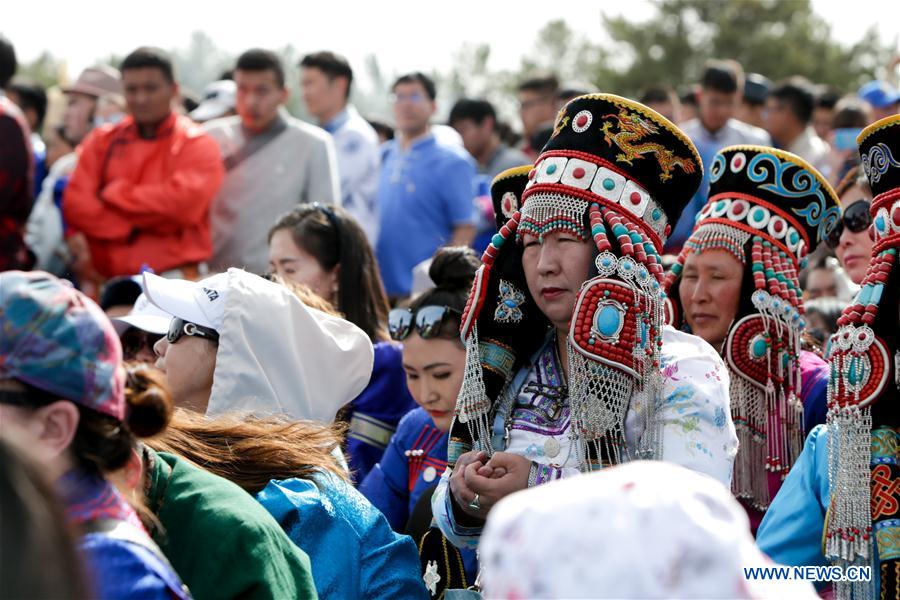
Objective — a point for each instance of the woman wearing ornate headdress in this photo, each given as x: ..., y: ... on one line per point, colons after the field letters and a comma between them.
x: 568, y: 366
x: 841, y: 501
x: 735, y: 285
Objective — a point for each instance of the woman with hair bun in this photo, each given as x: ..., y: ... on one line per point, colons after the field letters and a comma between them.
x: 434, y: 360
x: 220, y: 540
x: 61, y: 383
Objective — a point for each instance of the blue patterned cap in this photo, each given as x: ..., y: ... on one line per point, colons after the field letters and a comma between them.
x: 56, y: 339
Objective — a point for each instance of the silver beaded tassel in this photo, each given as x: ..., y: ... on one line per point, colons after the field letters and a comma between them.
x: 750, y: 481
x: 849, y: 468
x: 601, y: 395
x: 473, y: 405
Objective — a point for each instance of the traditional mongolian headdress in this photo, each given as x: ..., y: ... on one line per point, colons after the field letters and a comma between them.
x: 616, y: 172
x: 767, y: 208
x: 862, y: 393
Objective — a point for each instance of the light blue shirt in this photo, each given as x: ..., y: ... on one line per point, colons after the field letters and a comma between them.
x: 791, y: 532
x: 358, y: 159
x: 424, y: 193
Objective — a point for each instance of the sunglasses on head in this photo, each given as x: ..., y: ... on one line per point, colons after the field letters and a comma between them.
x: 856, y: 218
x: 180, y: 327
x: 427, y: 319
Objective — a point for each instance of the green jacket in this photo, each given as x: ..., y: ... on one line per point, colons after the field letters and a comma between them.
x: 219, y: 539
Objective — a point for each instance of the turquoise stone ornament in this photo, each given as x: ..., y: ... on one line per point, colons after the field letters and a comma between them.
x: 608, y: 321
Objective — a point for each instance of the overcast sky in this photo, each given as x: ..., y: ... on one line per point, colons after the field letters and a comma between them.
x: 404, y: 34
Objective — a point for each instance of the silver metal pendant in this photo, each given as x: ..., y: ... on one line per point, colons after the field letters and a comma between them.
x: 551, y: 448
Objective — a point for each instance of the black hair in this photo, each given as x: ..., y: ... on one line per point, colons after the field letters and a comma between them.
x: 564, y: 95
x: 657, y: 93
x: 333, y: 65
x: 31, y: 96
x: 796, y: 93
x: 189, y: 100
x: 474, y: 110
x: 543, y: 83
x: 258, y: 59
x: 851, y: 111
x: 724, y: 76
x: 507, y: 135
x: 40, y: 559
x: 827, y: 97
x: 334, y: 238
x: 8, y: 62
x: 540, y: 137
x: 830, y: 310
x: 688, y: 96
x: 149, y: 58
x: 452, y: 271
x: 120, y: 291
x: 422, y: 79
x: 382, y: 129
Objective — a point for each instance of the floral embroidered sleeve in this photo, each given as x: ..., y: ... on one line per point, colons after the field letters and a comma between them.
x: 693, y: 410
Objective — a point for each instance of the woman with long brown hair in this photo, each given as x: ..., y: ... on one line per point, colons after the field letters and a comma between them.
x: 323, y: 247
x: 292, y: 468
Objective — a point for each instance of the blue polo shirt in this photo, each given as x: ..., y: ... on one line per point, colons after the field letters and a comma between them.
x: 423, y: 194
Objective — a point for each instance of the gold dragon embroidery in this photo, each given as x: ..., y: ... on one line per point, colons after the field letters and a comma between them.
x: 632, y: 127
x: 560, y: 125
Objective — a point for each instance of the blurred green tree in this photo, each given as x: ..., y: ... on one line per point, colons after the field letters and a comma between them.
x: 46, y: 70
x: 777, y: 38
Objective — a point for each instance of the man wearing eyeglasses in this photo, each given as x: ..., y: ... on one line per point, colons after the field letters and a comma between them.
x: 426, y: 188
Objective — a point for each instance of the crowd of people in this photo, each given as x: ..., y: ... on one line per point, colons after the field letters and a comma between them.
x: 242, y: 355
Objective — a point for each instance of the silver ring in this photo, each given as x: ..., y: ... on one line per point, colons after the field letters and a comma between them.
x: 475, y: 504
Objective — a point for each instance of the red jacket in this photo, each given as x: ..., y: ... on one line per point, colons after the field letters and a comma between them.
x: 144, y: 201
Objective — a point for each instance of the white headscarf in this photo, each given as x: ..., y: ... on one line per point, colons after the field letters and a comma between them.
x: 275, y: 354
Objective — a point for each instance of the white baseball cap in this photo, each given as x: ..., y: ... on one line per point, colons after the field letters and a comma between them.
x: 219, y: 98
x: 200, y: 302
x: 144, y: 316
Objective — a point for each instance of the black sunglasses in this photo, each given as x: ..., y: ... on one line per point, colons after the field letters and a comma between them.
x: 856, y: 218
x: 134, y: 340
x: 428, y: 321
x: 180, y: 327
